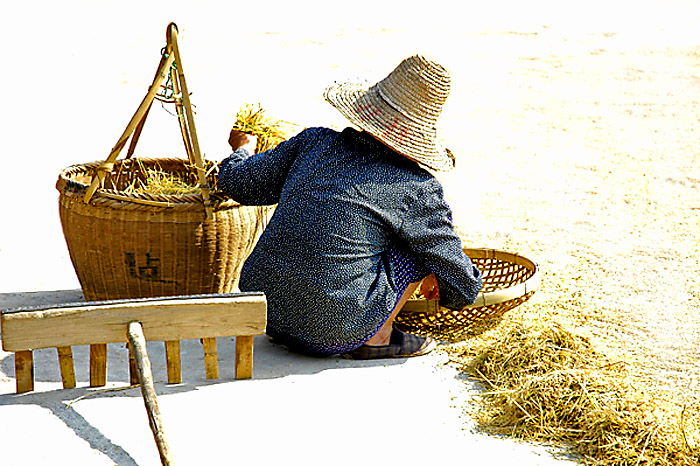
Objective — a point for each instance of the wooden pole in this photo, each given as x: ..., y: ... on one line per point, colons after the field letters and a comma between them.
x: 138, y: 343
x: 182, y: 118
x: 172, y: 42
x: 137, y: 133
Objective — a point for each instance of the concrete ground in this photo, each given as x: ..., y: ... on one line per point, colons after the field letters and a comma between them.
x: 73, y: 74
x: 296, y: 409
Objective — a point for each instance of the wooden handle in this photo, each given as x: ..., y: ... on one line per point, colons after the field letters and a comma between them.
x: 188, y: 124
x: 143, y: 365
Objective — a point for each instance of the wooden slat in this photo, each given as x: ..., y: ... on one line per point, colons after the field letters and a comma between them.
x: 24, y: 371
x: 172, y: 361
x: 211, y: 358
x: 421, y: 305
x: 133, y: 370
x: 244, y: 357
x: 162, y: 319
x: 98, y: 365
x: 432, y: 306
x: 65, y: 363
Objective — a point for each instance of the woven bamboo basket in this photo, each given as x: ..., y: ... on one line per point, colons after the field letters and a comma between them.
x: 508, y: 281
x: 122, y: 247
x: 127, y: 245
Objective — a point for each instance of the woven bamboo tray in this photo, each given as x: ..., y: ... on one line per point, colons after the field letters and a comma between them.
x: 508, y: 281
x: 142, y: 245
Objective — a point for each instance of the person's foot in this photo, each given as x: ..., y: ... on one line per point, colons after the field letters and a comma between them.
x: 401, y: 345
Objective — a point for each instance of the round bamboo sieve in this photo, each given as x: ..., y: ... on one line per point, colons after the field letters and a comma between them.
x: 508, y: 281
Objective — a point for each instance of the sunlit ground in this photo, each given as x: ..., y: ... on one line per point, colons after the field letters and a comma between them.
x: 575, y: 127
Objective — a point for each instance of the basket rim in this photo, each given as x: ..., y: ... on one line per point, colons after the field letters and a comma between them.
x: 67, y: 184
x: 493, y: 297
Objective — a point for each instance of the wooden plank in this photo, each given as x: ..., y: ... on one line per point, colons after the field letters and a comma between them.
x: 172, y: 361
x: 98, y: 365
x: 65, y: 363
x: 162, y: 319
x: 137, y: 342
x: 24, y: 371
x: 244, y: 357
x: 211, y: 358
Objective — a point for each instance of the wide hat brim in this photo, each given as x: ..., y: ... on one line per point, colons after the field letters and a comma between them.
x: 365, y: 107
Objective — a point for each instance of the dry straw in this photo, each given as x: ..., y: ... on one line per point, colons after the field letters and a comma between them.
x: 154, y: 179
x: 545, y: 382
x: 252, y: 119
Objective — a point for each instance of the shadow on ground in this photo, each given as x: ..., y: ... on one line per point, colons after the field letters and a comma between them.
x: 270, y: 362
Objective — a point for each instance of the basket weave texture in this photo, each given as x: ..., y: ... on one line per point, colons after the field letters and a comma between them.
x: 122, y: 248
x: 508, y: 281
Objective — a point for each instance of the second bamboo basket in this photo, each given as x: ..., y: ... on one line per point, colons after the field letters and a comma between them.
x: 508, y: 281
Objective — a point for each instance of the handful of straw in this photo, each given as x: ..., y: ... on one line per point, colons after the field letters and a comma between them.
x: 253, y: 120
x: 154, y: 180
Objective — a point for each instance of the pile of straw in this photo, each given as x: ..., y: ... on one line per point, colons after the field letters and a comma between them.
x: 545, y: 382
x: 156, y: 180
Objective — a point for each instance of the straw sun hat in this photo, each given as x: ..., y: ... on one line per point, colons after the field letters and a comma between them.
x: 401, y: 110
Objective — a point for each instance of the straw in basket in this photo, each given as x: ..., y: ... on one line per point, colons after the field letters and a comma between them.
x: 508, y: 281
x: 131, y: 245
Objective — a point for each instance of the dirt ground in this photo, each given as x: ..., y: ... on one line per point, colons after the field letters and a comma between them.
x: 596, y: 175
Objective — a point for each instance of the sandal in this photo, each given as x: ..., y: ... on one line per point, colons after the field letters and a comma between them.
x: 401, y: 345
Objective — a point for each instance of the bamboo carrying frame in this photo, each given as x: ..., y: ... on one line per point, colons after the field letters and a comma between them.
x: 508, y: 281
x: 125, y: 245
x: 170, y: 55
x: 242, y: 315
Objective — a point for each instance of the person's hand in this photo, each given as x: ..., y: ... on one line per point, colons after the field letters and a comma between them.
x: 429, y: 287
x: 239, y: 139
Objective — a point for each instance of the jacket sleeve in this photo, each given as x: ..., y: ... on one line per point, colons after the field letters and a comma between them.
x: 258, y: 179
x: 429, y: 233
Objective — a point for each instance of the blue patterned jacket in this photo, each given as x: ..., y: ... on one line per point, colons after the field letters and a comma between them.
x: 343, y: 200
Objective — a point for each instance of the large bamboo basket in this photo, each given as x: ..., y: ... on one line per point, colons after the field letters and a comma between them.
x: 123, y: 247
x: 126, y: 245
x: 508, y: 281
